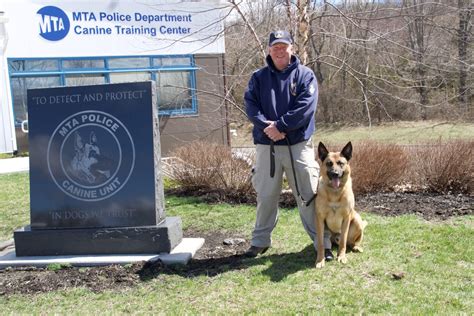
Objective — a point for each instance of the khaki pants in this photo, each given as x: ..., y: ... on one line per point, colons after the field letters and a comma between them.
x: 268, y: 189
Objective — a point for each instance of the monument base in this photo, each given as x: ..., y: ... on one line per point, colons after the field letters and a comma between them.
x: 87, y: 241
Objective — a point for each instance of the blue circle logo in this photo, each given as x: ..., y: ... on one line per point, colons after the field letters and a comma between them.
x: 53, y: 23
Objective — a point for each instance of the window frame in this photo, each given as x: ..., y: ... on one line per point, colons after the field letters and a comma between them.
x: 153, y: 69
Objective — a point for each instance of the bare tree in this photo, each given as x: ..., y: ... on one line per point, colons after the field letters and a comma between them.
x: 465, y: 8
x: 404, y: 59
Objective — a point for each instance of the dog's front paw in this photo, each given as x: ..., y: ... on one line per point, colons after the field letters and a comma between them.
x: 320, y: 264
x: 342, y: 259
x: 358, y: 249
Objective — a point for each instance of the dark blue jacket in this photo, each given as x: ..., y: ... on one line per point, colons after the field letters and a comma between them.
x: 288, y: 97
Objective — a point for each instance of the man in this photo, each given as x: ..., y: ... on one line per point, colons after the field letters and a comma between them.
x: 281, y: 102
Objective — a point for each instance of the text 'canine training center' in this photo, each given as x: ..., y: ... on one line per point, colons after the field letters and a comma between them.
x: 178, y: 44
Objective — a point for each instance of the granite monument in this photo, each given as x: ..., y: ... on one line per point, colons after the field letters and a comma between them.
x: 95, y: 178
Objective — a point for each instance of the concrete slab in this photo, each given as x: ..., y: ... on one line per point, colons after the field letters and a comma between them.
x: 10, y: 165
x: 181, y: 254
x: 6, y: 243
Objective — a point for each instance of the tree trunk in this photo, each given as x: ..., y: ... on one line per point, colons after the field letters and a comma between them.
x: 416, y: 33
x: 465, y: 11
x: 303, y: 30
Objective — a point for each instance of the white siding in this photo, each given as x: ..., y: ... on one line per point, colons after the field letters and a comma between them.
x: 7, y: 128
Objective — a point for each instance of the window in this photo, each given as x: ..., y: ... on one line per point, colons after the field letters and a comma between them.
x: 19, y: 87
x: 129, y: 76
x: 84, y: 79
x: 174, y: 77
x: 34, y: 65
x: 83, y: 63
x: 173, y: 93
x: 169, y: 61
x: 123, y: 63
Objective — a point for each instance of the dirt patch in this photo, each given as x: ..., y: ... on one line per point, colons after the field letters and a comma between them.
x: 37, y: 280
x: 427, y: 205
x: 221, y: 252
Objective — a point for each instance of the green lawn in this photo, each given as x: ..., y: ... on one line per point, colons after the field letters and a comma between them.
x: 396, y: 132
x: 399, y: 132
x: 14, y: 203
x: 434, y: 258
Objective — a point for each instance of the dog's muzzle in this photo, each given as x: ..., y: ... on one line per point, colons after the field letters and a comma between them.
x: 335, y: 178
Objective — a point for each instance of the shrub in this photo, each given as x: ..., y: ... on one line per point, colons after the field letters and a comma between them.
x: 445, y: 167
x: 213, y: 171
x: 212, y: 168
x: 377, y: 167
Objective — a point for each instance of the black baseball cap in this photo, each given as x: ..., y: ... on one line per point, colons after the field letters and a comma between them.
x: 280, y: 37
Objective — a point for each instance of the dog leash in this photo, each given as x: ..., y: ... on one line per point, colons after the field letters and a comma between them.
x: 272, y: 170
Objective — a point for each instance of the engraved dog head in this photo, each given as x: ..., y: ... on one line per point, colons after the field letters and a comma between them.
x: 334, y: 165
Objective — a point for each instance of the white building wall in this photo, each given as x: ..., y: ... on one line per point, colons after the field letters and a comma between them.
x: 57, y: 28
x: 158, y: 27
x: 7, y: 129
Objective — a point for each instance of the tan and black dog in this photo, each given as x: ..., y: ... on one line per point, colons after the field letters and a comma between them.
x: 335, y: 204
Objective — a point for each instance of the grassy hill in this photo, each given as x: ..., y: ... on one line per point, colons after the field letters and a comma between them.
x: 396, y: 132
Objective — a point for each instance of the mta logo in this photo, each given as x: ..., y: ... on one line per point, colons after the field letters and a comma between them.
x: 53, y: 23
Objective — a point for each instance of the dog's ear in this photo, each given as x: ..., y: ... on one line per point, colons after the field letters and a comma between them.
x: 346, y: 152
x: 77, y: 139
x: 322, y: 151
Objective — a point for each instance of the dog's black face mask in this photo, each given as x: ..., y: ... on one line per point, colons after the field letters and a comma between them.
x: 335, y: 172
x: 335, y: 162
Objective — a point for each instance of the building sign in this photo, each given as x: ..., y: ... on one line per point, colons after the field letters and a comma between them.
x: 113, y: 28
x: 53, y: 23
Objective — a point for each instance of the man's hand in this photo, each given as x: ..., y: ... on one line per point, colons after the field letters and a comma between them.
x: 272, y: 132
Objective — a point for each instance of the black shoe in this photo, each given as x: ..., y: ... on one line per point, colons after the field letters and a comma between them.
x: 254, y: 251
x: 328, y: 256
